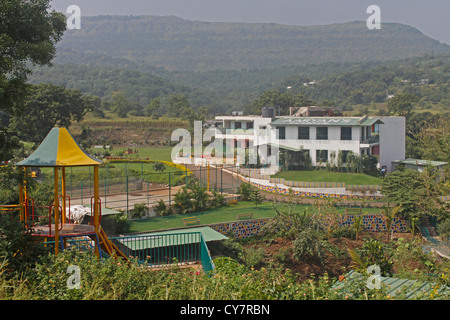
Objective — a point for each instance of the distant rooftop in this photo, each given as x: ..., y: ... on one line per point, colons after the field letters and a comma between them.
x: 419, y: 162
x: 326, y: 121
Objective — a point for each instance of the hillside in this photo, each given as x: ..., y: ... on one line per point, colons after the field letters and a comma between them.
x: 176, y: 44
x: 345, y: 84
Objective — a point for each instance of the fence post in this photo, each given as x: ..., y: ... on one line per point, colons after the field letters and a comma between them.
x: 148, y: 190
x: 169, y: 190
x: 105, y: 190
x: 126, y: 182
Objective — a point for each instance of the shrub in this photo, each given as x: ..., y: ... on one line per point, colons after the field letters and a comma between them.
x: 161, y: 208
x: 217, y: 199
x: 17, y: 245
x: 139, y: 210
x: 122, y: 223
x: 443, y: 229
x: 309, y: 242
x: 245, y: 190
x: 253, y: 257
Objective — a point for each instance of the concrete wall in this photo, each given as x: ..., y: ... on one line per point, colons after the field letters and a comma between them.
x: 392, y: 140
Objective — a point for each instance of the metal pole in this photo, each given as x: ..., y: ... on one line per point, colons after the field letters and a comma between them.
x: 63, y: 192
x: 96, y: 209
x: 169, y: 190
x: 126, y: 183
x: 56, y: 209
x: 207, y: 188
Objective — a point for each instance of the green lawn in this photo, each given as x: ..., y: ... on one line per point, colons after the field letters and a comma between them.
x: 218, y: 215
x: 152, y: 153
x: 325, y: 176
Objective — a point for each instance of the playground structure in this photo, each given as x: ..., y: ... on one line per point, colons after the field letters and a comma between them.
x: 60, y: 151
x: 58, y: 225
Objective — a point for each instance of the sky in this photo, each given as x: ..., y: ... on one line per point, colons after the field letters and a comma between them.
x: 430, y: 17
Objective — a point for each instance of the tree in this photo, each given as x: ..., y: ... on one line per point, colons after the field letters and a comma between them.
x: 389, y: 215
x: 256, y: 197
x: 418, y: 193
x: 245, y: 190
x: 153, y: 108
x: 402, y: 104
x: 29, y: 32
x: 120, y: 105
x: 178, y: 106
x: 47, y: 106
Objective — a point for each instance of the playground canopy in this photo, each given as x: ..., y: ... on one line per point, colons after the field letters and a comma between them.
x: 59, y: 149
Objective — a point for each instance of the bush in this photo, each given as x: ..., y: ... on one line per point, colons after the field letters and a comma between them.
x: 17, y: 245
x: 122, y: 223
x: 139, y: 210
x: 161, y: 208
x: 253, y: 257
x: 309, y: 242
x: 245, y: 191
x: 443, y: 229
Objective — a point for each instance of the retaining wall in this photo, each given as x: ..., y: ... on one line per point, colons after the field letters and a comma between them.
x: 372, y: 223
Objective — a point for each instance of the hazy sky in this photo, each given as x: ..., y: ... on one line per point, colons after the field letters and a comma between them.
x: 431, y: 17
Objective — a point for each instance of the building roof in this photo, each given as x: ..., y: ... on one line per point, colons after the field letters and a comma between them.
x: 419, y: 162
x: 186, y: 236
x: 411, y: 289
x: 325, y: 121
x: 59, y: 149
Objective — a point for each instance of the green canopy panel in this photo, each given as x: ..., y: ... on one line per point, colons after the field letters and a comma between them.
x: 171, y: 238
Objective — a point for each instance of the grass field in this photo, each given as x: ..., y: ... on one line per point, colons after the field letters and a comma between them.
x: 325, y: 176
x: 219, y: 215
x: 152, y: 153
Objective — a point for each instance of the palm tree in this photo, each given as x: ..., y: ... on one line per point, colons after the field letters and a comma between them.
x: 358, y: 225
x: 389, y: 214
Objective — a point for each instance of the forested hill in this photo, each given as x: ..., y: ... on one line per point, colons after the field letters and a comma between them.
x: 176, y: 44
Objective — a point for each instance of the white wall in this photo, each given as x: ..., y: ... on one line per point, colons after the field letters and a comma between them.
x: 333, y: 144
x: 392, y: 140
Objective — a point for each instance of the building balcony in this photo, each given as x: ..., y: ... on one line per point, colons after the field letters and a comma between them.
x: 229, y: 131
x: 373, y: 139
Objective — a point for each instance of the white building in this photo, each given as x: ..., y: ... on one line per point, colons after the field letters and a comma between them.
x: 383, y: 137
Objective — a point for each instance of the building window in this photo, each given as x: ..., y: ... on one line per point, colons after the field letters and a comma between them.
x: 303, y: 133
x: 281, y: 133
x: 346, y: 133
x: 322, y: 133
x: 249, y: 125
x: 345, y: 155
x: 238, y: 125
x: 321, y: 155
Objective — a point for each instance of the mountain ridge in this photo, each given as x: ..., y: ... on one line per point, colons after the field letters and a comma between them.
x: 175, y: 43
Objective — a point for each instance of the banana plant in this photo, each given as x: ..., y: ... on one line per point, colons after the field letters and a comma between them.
x: 389, y: 215
x: 358, y: 225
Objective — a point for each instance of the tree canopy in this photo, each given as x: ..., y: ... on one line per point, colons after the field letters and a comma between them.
x: 47, y: 106
x: 29, y: 32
